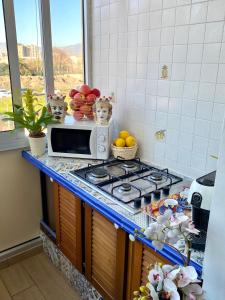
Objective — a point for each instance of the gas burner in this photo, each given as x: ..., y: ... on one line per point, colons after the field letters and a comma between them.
x: 156, y: 176
x: 99, y: 173
x: 128, y: 164
x: 125, y: 187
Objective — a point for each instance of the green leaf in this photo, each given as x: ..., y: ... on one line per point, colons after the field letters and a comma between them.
x: 32, y: 116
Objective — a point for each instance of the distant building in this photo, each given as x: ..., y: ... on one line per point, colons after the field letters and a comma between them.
x: 28, y: 51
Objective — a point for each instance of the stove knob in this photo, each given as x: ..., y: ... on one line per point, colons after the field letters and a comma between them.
x: 157, y: 194
x: 101, y: 138
x: 137, y: 203
x: 166, y: 191
x: 101, y: 148
x: 147, y: 198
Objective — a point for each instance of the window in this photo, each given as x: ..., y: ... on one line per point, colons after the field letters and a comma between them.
x: 45, y: 53
x: 67, y: 48
x: 5, y: 85
x: 29, y: 47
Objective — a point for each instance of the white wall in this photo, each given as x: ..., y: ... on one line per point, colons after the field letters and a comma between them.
x: 214, y: 263
x: 132, y: 40
x: 20, y: 200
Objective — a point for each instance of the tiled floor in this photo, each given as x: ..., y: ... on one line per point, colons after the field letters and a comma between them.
x: 34, y: 278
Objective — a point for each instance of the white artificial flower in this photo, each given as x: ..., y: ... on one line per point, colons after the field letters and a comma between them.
x: 173, y: 235
x: 189, y: 227
x: 165, y: 218
x: 156, y: 276
x: 186, y: 276
x: 152, y: 229
x: 158, y: 245
x: 174, y: 295
x: 193, y: 291
x: 170, y: 272
x: 156, y: 234
x: 179, y: 219
x: 153, y: 292
x: 170, y: 287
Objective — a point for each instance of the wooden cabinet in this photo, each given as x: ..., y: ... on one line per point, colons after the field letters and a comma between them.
x: 113, y: 264
x: 140, y: 258
x: 105, y: 250
x: 68, y: 225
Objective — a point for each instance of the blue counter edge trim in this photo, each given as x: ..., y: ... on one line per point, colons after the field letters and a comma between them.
x: 110, y: 214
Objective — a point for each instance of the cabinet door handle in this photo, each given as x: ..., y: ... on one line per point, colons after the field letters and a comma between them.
x: 116, y: 226
x: 131, y: 237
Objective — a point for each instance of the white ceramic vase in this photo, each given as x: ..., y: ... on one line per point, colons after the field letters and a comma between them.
x: 37, y: 145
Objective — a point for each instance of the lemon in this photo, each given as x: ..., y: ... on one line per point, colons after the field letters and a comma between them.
x: 119, y: 142
x: 130, y: 141
x: 124, y: 134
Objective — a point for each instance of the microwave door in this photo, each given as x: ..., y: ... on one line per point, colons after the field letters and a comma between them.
x: 71, y: 141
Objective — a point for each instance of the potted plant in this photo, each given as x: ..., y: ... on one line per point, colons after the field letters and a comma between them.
x: 33, y: 117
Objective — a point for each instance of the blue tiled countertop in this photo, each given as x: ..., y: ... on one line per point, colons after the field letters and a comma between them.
x: 58, y: 169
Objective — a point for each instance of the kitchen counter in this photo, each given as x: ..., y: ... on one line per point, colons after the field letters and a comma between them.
x: 58, y: 169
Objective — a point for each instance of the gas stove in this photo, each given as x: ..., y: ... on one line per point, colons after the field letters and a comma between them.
x: 132, y: 184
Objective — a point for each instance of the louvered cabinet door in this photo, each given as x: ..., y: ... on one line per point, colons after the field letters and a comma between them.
x: 140, y: 258
x: 105, y: 248
x: 68, y: 225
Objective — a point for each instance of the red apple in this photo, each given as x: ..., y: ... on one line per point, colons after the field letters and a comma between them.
x: 78, y: 115
x: 85, y: 89
x: 79, y: 102
x: 90, y: 98
x: 72, y: 93
x: 96, y: 92
x: 74, y: 105
x: 90, y: 116
x: 79, y: 96
x: 86, y: 109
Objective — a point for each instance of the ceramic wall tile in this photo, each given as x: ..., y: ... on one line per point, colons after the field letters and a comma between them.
x: 171, y: 53
x: 216, y: 10
x: 214, y: 32
x: 198, y: 13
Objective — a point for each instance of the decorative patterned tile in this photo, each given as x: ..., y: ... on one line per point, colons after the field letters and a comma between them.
x: 74, y: 277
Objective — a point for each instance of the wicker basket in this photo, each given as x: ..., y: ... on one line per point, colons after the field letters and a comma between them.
x: 124, y: 153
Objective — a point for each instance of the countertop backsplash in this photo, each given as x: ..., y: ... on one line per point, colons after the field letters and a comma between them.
x: 165, y: 63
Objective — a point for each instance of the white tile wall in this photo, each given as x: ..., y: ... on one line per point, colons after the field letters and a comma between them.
x: 132, y: 40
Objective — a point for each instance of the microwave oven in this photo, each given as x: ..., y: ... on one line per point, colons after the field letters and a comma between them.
x: 80, y: 139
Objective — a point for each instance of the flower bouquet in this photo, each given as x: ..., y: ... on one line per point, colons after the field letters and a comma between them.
x: 166, y: 281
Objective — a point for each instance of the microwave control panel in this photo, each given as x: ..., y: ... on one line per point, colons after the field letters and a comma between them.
x: 103, y: 142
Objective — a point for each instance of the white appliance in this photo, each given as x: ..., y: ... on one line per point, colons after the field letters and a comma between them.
x: 201, y: 191
x: 80, y: 139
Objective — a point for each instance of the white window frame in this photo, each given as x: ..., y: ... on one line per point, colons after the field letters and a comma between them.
x: 12, y: 139
x: 16, y: 139
x: 46, y: 38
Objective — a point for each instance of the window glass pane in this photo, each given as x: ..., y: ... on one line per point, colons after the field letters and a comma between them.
x: 5, y: 88
x: 66, y: 26
x: 29, y: 47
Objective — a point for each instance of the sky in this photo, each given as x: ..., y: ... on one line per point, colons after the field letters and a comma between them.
x: 65, y: 22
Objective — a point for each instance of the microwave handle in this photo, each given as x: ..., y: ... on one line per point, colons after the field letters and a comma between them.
x: 93, y: 140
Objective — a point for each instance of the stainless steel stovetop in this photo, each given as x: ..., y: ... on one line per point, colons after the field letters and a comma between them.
x: 131, y: 184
